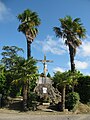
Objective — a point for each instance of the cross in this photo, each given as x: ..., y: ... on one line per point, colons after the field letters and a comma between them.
x: 44, y: 64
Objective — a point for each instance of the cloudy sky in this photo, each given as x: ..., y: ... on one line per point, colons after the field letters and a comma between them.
x: 46, y: 42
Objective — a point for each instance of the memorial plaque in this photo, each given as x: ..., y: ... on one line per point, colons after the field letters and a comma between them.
x: 44, y: 90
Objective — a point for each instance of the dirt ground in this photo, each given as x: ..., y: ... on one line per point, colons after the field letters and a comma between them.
x: 6, y: 114
x: 82, y: 113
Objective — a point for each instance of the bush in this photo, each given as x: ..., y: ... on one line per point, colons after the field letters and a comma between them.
x: 14, y: 90
x: 33, y: 97
x: 32, y: 103
x: 72, y: 100
x: 83, y: 88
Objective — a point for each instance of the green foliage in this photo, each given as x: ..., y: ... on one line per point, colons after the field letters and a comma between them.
x: 65, y: 81
x: 15, y: 90
x: 10, y: 58
x: 71, y: 31
x: 61, y: 79
x: 74, y: 78
x: 67, y: 78
x: 29, y: 23
x: 32, y: 84
x: 33, y: 97
x: 83, y: 88
x: 26, y: 70
x: 72, y: 100
x: 9, y: 55
x: 2, y: 79
x: 27, y: 75
x: 20, y: 73
x: 32, y: 104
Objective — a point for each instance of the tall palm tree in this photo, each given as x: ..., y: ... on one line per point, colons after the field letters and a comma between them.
x: 72, y: 31
x: 29, y: 23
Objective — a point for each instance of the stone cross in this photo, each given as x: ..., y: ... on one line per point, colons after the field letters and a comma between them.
x: 44, y: 64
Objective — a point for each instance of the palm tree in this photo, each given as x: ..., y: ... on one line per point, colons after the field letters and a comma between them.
x: 71, y: 31
x: 61, y: 80
x: 29, y: 23
x: 26, y: 70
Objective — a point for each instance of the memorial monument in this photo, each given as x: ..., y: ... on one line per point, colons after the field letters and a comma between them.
x: 44, y: 87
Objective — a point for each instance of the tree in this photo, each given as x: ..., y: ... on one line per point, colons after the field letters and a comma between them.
x: 61, y: 80
x: 27, y: 71
x: 72, y: 31
x: 48, y: 75
x: 2, y: 79
x: 29, y: 23
x: 9, y: 56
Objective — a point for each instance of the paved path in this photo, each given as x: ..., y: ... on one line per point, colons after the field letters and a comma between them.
x: 27, y: 116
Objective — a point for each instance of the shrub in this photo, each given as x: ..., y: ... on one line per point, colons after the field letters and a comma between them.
x: 33, y: 97
x: 83, y: 88
x: 72, y: 100
x: 32, y: 103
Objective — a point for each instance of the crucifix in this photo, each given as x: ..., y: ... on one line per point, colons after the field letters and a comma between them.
x: 44, y: 64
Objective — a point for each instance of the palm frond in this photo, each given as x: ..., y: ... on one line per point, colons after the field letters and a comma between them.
x: 58, y: 32
x: 77, y: 20
x: 29, y: 23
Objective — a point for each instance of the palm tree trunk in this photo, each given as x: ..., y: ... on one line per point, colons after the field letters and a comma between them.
x: 72, y: 58
x: 63, y: 98
x: 28, y: 56
x: 25, y: 97
x: 71, y: 50
x: 28, y: 49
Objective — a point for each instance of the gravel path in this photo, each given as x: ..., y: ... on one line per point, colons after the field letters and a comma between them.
x: 32, y: 116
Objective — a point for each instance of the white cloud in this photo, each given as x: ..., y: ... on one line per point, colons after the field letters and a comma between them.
x: 81, y: 65
x: 57, y: 46
x: 58, y: 69
x: 50, y: 45
x: 5, y: 12
x: 84, y: 49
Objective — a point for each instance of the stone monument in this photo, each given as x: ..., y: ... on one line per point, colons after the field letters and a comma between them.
x: 44, y: 87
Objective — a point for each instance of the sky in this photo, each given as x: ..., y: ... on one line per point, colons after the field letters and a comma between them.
x: 49, y: 12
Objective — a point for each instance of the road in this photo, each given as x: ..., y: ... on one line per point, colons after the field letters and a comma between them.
x: 27, y: 116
